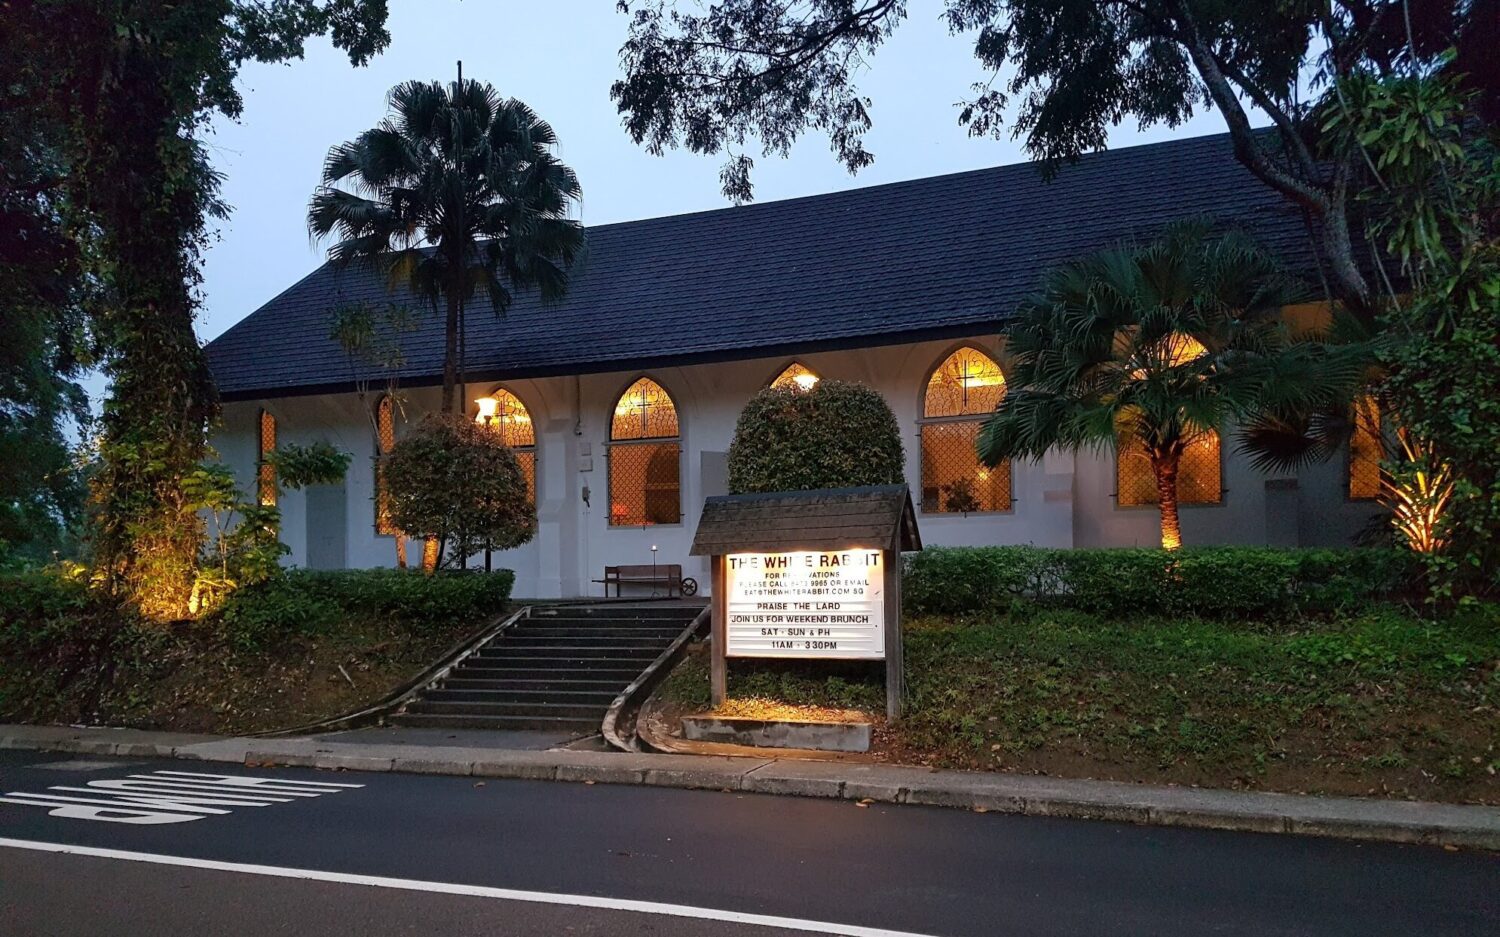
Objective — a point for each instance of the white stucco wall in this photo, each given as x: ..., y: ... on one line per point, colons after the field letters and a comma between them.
x: 1064, y: 500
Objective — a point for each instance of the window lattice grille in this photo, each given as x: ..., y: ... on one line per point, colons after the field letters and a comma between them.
x: 527, y: 458
x: 1199, y: 479
x: 645, y: 411
x: 954, y: 481
x: 796, y: 377
x: 645, y: 484
x: 967, y: 383
x: 513, y: 422
x: 1366, y: 450
x: 265, y: 471
x: 385, y: 441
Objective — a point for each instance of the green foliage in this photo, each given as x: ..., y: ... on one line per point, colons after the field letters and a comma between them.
x: 1434, y: 203
x: 1163, y: 343
x: 458, y: 189
x: 1209, y: 582
x: 43, y: 289
x: 120, y: 95
x: 720, y: 77
x: 455, y: 480
x: 302, y: 602
x: 315, y: 464
x: 1373, y: 699
x: 243, y: 547
x: 835, y: 435
x: 69, y: 654
x: 271, y: 611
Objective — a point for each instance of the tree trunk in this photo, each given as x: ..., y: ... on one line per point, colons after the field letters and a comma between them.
x: 140, y: 181
x: 1165, y: 469
x: 450, y: 356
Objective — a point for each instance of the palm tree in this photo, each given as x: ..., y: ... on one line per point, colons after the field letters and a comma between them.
x: 457, y: 187
x: 1158, y: 345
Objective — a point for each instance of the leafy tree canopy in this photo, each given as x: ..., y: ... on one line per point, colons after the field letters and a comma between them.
x: 122, y: 94
x: 455, y: 481
x: 717, y: 78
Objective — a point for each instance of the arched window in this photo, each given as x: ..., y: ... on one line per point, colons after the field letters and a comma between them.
x: 1366, y: 450
x: 1199, y: 474
x: 796, y: 377
x: 961, y: 393
x: 265, y: 471
x: 505, y: 412
x: 385, y: 441
x: 645, y: 457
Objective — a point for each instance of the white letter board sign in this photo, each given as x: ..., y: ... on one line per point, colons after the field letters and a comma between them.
x: 828, y: 605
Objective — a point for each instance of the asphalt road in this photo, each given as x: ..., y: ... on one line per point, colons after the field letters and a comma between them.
x: 407, y: 854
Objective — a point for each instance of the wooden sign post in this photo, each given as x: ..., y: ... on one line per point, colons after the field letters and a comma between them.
x: 809, y: 575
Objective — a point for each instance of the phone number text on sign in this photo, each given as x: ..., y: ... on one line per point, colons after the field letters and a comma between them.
x: 828, y: 604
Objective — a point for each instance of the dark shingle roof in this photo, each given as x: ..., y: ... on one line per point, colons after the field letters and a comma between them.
x: 939, y: 257
x: 874, y: 516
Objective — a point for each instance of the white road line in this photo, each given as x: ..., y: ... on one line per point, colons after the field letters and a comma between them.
x: 264, y: 783
x: 477, y: 891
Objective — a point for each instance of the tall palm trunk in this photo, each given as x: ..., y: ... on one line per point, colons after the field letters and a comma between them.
x: 1165, y: 466
x: 450, y: 354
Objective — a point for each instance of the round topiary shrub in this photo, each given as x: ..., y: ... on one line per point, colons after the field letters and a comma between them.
x: 456, y: 481
x: 835, y: 435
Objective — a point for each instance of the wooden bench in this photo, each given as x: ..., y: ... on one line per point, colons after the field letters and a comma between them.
x: 668, y: 575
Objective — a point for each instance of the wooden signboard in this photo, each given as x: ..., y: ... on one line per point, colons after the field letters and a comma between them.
x: 809, y: 575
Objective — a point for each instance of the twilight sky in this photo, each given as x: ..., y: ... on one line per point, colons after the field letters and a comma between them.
x: 560, y: 57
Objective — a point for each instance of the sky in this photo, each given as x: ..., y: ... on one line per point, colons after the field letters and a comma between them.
x: 560, y: 57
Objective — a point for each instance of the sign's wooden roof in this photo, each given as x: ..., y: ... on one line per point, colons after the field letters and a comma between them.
x: 873, y: 517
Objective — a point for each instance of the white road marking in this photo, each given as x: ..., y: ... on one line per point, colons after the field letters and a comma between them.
x: 476, y: 891
x: 169, y: 796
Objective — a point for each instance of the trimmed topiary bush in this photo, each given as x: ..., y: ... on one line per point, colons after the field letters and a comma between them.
x: 835, y: 435
x: 1206, y: 582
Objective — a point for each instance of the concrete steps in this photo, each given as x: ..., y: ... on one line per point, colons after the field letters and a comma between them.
x: 560, y: 669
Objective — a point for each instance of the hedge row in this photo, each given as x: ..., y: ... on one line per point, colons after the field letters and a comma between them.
x: 309, y: 601
x: 1206, y: 582
x: 43, y: 608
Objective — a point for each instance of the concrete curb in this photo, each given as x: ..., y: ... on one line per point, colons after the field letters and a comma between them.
x: 1341, y: 817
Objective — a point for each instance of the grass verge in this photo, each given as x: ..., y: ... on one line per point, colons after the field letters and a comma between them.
x: 1378, y: 703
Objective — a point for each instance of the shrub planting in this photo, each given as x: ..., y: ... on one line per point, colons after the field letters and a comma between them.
x: 1209, y: 582
x: 834, y: 435
x: 313, y: 601
x: 457, y: 482
x: 299, y: 646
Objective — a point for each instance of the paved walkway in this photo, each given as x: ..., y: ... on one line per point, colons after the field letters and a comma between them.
x: 1349, y: 818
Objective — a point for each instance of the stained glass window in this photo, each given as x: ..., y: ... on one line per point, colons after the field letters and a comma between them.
x: 505, y: 412
x: 963, y: 390
x: 644, y: 411
x: 385, y: 441
x: 796, y: 377
x: 265, y: 471
x: 645, y: 458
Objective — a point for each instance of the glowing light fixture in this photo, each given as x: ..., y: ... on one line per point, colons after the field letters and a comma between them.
x: 487, y: 406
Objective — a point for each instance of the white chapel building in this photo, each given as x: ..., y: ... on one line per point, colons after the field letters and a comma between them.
x: 621, y: 400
